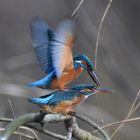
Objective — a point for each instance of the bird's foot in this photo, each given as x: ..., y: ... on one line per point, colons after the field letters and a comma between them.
x: 72, y: 113
x: 42, y: 113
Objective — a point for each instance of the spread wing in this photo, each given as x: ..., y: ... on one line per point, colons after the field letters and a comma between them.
x: 53, y: 50
x: 62, y: 47
x: 41, y: 36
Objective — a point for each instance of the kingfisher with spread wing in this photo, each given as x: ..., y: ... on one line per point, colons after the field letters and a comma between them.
x: 65, y: 101
x: 54, y: 54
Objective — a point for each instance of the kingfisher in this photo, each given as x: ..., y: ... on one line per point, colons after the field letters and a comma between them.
x: 64, y: 102
x: 54, y: 54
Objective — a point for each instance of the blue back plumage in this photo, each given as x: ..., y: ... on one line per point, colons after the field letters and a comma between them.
x: 54, y: 98
x: 59, y: 96
x: 44, y: 82
x: 41, y: 36
x: 41, y: 100
x: 83, y: 86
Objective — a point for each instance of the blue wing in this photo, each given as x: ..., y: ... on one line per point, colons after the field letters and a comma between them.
x: 44, y: 82
x: 53, y: 50
x: 62, y: 47
x: 41, y: 100
x: 41, y: 36
x: 54, y: 97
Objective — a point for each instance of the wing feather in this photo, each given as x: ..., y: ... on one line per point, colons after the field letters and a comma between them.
x: 62, y: 47
x: 53, y: 50
x: 41, y: 36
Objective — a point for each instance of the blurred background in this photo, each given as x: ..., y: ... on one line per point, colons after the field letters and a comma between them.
x: 118, y: 57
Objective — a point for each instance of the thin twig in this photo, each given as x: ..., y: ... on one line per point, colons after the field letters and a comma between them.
x: 118, y: 122
x: 11, y: 106
x: 77, y: 132
x: 46, y: 132
x: 22, y: 127
x: 29, y: 129
x: 21, y: 134
x: 127, y: 117
x: 13, y: 112
x: 135, y: 108
x: 99, y: 32
x: 77, y: 8
x: 30, y: 117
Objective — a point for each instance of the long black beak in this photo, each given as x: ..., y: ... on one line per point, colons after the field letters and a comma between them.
x: 103, y: 90
x: 94, y: 78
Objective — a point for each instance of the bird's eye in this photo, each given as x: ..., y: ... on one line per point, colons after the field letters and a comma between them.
x: 89, y: 67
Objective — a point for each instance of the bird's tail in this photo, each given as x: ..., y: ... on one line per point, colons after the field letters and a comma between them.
x: 36, y: 100
x: 44, y: 82
x: 33, y: 100
x: 41, y: 100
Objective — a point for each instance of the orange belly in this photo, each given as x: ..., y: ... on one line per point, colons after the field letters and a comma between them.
x: 63, y: 107
x: 66, y: 78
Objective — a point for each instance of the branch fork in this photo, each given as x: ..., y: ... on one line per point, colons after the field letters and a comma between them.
x: 71, y: 125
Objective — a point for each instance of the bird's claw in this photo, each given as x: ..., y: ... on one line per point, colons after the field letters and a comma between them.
x: 72, y: 113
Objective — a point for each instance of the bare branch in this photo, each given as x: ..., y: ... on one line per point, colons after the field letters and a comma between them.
x: 21, y: 134
x: 30, y: 117
x: 127, y: 117
x: 46, y: 132
x: 29, y: 129
x: 81, y: 134
x: 42, y: 117
x: 135, y: 108
x: 93, y: 124
x: 23, y: 127
x: 13, y: 112
x: 99, y: 31
x: 118, y: 122
x: 12, y: 109
x: 77, y: 8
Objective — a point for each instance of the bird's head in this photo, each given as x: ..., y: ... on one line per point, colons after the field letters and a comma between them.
x: 84, y: 62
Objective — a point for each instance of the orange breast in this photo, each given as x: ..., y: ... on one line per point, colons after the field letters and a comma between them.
x: 66, y: 78
x: 64, y: 107
x: 46, y: 108
x: 78, y: 100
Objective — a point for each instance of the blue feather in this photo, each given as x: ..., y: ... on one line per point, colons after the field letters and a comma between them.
x: 40, y: 100
x: 80, y: 57
x: 83, y: 86
x: 57, y: 97
x: 63, y: 31
x: 46, y: 81
x: 41, y: 36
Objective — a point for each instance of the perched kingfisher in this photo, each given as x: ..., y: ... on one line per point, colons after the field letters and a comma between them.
x: 65, y: 101
x: 54, y: 54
